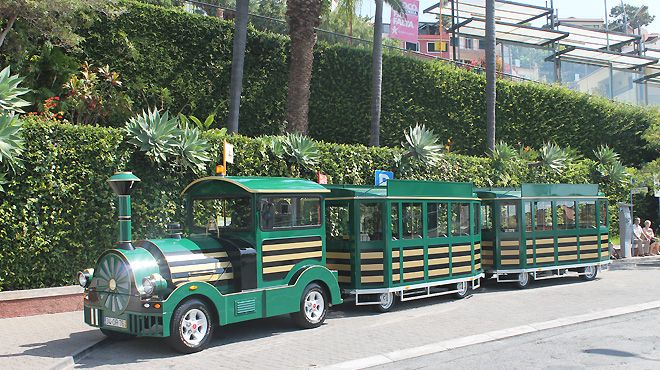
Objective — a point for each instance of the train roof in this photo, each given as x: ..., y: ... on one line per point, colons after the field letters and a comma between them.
x: 213, y: 185
x: 542, y: 191
x: 405, y: 189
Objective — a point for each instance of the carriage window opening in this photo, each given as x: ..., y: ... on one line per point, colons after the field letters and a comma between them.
x: 437, y: 220
x: 412, y: 220
x: 460, y: 219
x: 486, y: 217
x: 371, y: 221
x: 603, y: 212
x: 395, y: 221
x: 508, y: 218
x: 221, y: 214
x: 543, y: 219
x: 587, y: 214
x: 565, y: 215
x: 336, y: 222
x: 289, y: 212
x: 528, y: 216
x: 475, y: 221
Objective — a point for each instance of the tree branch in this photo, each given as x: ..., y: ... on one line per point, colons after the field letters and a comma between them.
x: 10, y: 24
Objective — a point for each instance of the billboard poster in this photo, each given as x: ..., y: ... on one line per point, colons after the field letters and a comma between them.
x: 404, y: 26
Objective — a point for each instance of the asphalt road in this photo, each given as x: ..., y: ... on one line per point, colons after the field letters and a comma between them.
x: 623, y: 342
x: 356, y: 332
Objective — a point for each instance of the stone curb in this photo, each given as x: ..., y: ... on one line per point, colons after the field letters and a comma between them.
x: 69, y: 362
x: 14, y: 295
x: 408, y: 353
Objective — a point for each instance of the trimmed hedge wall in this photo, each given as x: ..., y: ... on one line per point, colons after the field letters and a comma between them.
x: 184, y: 60
x: 58, y: 214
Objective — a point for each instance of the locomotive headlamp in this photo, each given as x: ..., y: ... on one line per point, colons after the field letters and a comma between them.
x: 153, y: 283
x: 85, y: 277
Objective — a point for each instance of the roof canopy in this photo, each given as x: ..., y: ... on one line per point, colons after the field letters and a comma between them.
x: 505, y: 11
x: 412, y: 189
x: 510, y: 32
x: 543, y: 191
x: 602, y: 57
x: 219, y: 185
x: 593, y: 38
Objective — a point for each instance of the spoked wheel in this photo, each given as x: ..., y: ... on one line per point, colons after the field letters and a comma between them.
x: 463, y: 290
x: 589, y: 273
x: 313, y: 308
x: 523, y: 280
x: 386, y: 302
x: 115, y: 335
x: 192, y: 327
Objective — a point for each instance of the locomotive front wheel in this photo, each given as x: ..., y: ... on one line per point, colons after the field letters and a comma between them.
x: 462, y: 290
x: 523, y: 280
x: 386, y: 302
x: 313, y: 307
x: 589, y: 273
x: 115, y: 335
x: 192, y: 327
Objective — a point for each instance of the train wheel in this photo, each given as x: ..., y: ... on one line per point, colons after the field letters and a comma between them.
x: 463, y: 289
x: 589, y: 273
x: 386, y: 302
x: 192, y: 327
x: 313, y: 307
x: 115, y: 335
x: 523, y: 280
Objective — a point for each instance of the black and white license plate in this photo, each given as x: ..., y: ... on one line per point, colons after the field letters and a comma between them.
x: 117, y: 323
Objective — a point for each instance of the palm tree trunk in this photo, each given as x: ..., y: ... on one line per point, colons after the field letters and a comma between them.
x: 237, y: 62
x: 376, y: 75
x: 10, y: 24
x: 491, y: 66
x: 302, y: 18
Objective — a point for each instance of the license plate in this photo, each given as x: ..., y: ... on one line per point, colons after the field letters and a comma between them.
x: 117, y: 323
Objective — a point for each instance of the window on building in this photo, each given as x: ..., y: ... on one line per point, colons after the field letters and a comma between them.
x: 371, y: 221
x: 460, y: 219
x: 289, y: 212
x: 412, y: 46
x: 412, y: 221
x: 508, y: 217
x: 437, y: 220
x: 436, y: 47
x: 587, y: 214
x: 482, y: 44
x: 565, y: 215
x: 469, y: 43
x: 543, y: 212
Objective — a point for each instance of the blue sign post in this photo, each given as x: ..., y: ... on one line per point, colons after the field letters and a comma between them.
x: 381, y: 177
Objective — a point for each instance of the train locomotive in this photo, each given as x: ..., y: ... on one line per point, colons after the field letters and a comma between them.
x: 255, y: 247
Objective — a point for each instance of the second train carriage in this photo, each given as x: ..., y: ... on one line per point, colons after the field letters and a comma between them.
x: 406, y: 240
x: 544, y: 230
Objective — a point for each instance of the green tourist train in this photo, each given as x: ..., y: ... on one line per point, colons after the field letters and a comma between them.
x: 255, y: 247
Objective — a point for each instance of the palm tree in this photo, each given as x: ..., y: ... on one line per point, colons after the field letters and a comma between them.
x: 377, y: 68
x: 302, y: 17
x: 237, y: 62
x: 347, y: 8
x: 490, y: 74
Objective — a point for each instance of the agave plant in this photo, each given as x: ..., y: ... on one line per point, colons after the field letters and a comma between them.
x: 606, y: 155
x: 504, y: 155
x: 11, y: 142
x: 609, y: 166
x: 194, y: 150
x: 10, y: 92
x: 422, y: 145
x: 156, y: 135
x: 553, y: 157
x: 296, y: 148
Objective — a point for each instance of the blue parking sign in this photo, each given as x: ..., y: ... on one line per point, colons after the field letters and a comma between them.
x: 381, y: 177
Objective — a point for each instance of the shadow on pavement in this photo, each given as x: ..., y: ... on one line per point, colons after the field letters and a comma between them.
x: 616, y: 353
x: 57, y: 348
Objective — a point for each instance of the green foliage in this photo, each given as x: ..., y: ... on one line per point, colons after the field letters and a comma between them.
x: 296, y: 148
x: 652, y: 137
x: 166, y: 56
x: 553, y: 157
x: 10, y: 92
x: 421, y: 144
x: 11, y: 142
x: 156, y: 135
x: 193, y: 150
x: 202, y: 125
x: 609, y: 166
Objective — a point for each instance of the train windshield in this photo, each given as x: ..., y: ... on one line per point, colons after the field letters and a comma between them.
x: 221, y: 214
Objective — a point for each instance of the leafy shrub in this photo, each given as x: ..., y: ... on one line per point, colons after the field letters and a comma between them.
x: 155, y: 135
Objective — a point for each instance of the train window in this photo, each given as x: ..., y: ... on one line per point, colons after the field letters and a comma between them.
x: 603, y: 212
x: 475, y: 221
x: 543, y: 215
x: 565, y: 215
x: 486, y: 217
x: 336, y: 222
x: 437, y: 220
x: 587, y: 214
x: 395, y: 221
x: 412, y: 220
x: 289, y: 212
x: 460, y: 219
x: 528, y: 216
x: 221, y: 214
x: 508, y: 217
x: 371, y: 221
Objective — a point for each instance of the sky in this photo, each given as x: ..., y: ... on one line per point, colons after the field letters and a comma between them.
x: 566, y: 8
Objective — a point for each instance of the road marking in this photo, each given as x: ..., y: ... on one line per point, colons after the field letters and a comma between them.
x: 427, y: 349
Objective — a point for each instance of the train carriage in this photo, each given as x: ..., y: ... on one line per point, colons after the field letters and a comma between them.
x: 543, y: 231
x: 406, y: 240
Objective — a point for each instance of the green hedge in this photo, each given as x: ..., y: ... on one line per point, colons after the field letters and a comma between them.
x: 184, y: 61
x: 58, y: 214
